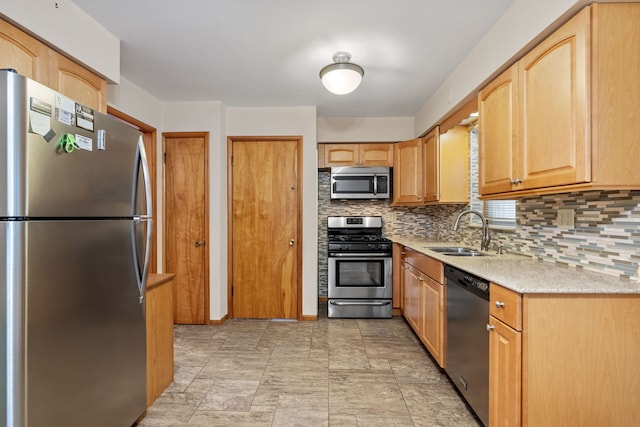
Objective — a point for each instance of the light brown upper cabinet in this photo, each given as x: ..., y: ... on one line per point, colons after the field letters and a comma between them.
x: 23, y: 53
x: 35, y: 60
x: 365, y: 154
x: 77, y: 82
x: 562, y: 118
x: 433, y: 169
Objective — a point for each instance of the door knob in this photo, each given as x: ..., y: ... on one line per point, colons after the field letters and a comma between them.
x: 291, y: 242
x: 198, y: 243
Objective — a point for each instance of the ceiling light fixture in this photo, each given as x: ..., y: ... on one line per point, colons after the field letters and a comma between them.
x: 342, y: 76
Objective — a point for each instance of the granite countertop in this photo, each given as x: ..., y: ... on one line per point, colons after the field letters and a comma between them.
x: 524, y: 274
x: 157, y: 279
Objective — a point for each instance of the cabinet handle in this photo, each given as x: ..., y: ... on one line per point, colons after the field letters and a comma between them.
x: 420, y: 279
x: 499, y: 304
x: 515, y: 181
x: 419, y: 197
x: 490, y: 327
x: 403, y: 253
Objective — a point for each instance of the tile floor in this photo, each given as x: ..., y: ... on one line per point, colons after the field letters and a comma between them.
x: 332, y: 372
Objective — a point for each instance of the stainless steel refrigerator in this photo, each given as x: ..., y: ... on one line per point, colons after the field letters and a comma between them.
x: 75, y: 223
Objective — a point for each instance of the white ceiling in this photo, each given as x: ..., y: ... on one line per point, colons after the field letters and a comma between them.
x: 257, y: 53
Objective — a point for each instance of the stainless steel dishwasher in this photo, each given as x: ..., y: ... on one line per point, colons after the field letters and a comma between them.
x: 467, y: 355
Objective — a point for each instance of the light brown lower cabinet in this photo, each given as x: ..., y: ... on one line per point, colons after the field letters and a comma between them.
x: 563, y: 359
x: 432, y: 320
x: 159, y: 308
x: 424, y: 300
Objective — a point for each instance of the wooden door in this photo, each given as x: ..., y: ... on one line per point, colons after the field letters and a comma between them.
x: 186, y: 218
x: 407, y: 172
x: 554, y: 117
x: 23, y: 53
x: 505, y: 375
x: 265, y: 227
x: 431, y: 166
x: 375, y: 155
x: 497, y: 133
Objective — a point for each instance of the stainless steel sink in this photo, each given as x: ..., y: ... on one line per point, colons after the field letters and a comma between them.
x: 456, y: 251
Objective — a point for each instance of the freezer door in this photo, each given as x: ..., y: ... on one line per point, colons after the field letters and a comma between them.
x: 84, y: 340
x: 61, y: 159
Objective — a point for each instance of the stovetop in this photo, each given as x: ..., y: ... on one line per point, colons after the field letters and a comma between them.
x: 357, y: 238
x: 357, y: 234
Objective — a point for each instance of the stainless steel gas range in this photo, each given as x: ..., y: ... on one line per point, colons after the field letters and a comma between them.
x: 360, y: 268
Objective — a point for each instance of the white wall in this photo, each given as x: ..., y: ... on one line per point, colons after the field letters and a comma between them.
x: 70, y: 30
x: 364, y: 129
x: 291, y: 121
x: 524, y: 23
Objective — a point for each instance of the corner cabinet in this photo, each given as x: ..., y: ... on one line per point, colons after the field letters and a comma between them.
x: 365, y: 154
x: 35, y: 60
x: 433, y: 169
x: 424, y: 300
x: 551, y: 352
x: 561, y: 118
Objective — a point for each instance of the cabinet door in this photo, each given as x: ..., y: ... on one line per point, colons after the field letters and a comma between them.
x: 554, y: 117
x: 375, y: 155
x: 497, y: 133
x: 431, y: 166
x: 432, y: 327
x: 340, y: 155
x: 78, y: 83
x: 505, y: 375
x: 411, y: 281
x: 23, y: 53
x: 453, y: 166
x: 407, y: 173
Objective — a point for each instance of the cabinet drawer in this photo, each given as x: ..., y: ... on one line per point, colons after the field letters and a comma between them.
x: 429, y: 266
x: 506, y: 305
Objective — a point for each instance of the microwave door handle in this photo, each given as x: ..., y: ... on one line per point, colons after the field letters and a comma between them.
x: 375, y: 184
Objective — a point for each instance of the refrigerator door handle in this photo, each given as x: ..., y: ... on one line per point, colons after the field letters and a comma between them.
x: 143, y: 271
x: 146, y: 177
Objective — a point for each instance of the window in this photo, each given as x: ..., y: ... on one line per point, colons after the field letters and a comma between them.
x: 500, y: 213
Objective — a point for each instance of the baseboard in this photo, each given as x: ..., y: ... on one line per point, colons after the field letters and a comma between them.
x: 306, y: 317
x: 218, y: 322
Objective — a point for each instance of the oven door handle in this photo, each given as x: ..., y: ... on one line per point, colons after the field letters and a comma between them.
x: 372, y: 303
x: 359, y: 255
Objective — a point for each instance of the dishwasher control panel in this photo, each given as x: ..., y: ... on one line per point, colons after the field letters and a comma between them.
x: 474, y: 284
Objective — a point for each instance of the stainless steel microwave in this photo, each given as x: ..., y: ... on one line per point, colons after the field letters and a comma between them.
x: 356, y: 182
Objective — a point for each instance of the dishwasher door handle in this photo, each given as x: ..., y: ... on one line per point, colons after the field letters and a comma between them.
x: 370, y: 303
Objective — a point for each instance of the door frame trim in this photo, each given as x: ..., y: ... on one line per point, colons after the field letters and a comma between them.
x: 299, y: 145
x: 207, y: 260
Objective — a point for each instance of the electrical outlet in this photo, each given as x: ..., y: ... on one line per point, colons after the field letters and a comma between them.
x: 566, y: 218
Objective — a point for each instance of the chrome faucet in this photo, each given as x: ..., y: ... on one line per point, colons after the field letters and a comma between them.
x: 484, y: 245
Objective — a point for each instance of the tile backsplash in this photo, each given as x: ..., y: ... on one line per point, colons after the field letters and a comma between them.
x: 605, y: 237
